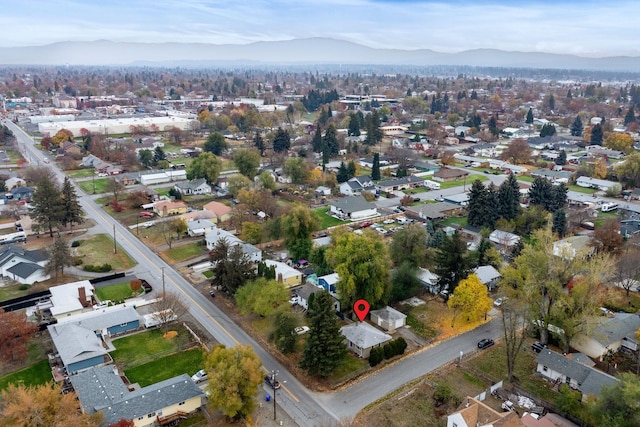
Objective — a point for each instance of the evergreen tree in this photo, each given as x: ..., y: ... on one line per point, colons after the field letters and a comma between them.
x: 552, y: 102
x: 569, y: 95
x: 597, y: 134
x: 493, y: 126
x: 282, y: 141
x: 630, y: 117
x: 46, y: 205
x: 215, y: 143
x: 354, y: 125
x: 452, y: 263
x: 540, y: 191
x: 375, y: 171
x: 562, y: 158
x: 559, y: 223
x: 59, y: 257
x: 316, y: 142
x: 576, y: 126
x: 330, y: 140
x: 343, y: 174
x: 474, y: 94
x: 509, y: 198
x: 324, y: 349
x: 558, y: 198
x: 258, y: 141
x: 70, y: 206
x: 529, y: 119
x: 482, y: 205
x: 547, y: 130
x: 158, y: 155
x: 283, y: 335
x: 351, y: 169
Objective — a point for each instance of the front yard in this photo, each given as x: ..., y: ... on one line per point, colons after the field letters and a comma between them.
x: 117, y: 292
x: 183, y: 252
x: 327, y: 220
x: 98, y: 250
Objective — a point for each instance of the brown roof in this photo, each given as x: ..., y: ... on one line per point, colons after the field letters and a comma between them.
x: 218, y: 208
x: 450, y: 173
x: 170, y: 205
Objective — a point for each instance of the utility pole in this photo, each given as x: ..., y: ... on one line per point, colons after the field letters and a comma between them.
x: 162, y: 268
x: 274, y: 374
x: 115, y: 250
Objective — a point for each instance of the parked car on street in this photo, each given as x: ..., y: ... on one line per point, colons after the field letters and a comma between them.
x: 485, y: 343
x: 499, y: 301
x: 271, y: 381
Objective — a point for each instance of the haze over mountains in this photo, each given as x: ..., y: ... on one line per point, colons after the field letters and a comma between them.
x: 292, y: 52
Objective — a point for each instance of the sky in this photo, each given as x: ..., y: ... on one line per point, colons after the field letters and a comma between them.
x: 581, y: 27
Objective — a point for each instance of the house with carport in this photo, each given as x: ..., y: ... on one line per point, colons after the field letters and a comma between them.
x: 164, y: 403
x: 199, y: 227
x: 354, y: 208
x: 361, y: 337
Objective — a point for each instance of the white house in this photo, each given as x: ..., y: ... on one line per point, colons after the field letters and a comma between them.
x: 356, y: 185
x: 354, y: 208
x: 162, y: 177
x: 23, y: 266
x: 216, y: 234
x: 289, y: 276
x: 600, y: 184
x: 611, y: 333
x: 195, y: 186
x: 199, y: 227
x: 488, y: 275
x: 361, y: 337
x: 504, y: 238
x: 388, y: 319
x: 71, y: 298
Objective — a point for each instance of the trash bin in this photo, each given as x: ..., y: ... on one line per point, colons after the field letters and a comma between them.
x: 268, y: 398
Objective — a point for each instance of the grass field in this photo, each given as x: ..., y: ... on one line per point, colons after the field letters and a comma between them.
x: 100, y: 185
x: 464, y: 182
x: 184, y: 362
x: 208, y: 274
x: 183, y: 252
x: 461, y: 221
x: 10, y: 292
x: 36, y: 374
x: 138, y: 349
x: 579, y: 189
x: 326, y: 220
x: 80, y: 173
x: 98, y: 249
x: 116, y: 292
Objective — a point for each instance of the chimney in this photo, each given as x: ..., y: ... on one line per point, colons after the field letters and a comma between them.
x: 82, y: 296
x: 280, y: 278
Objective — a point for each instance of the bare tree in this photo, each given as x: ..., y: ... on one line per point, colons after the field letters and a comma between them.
x: 168, y: 308
x: 627, y: 269
x: 514, y: 326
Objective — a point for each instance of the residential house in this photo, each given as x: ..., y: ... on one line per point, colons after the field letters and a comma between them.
x: 309, y: 288
x: 71, y: 298
x: 193, y: 187
x: 610, y: 334
x: 14, y: 182
x: 504, y: 238
x: 433, y: 211
x: 21, y: 265
x: 629, y: 228
x: 168, y: 208
x: 288, y: 276
x: 221, y: 211
x: 78, y: 348
x: 102, y: 390
x: 461, y: 199
x: 127, y: 179
x: 389, y: 319
x: 575, y: 370
x: 477, y: 414
x: 329, y: 283
x: 21, y: 193
x: 600, y: 184
x: 361, y: 337
x: 251, y: 252
x: 201, y: 214
x: 488, y: 275
x: 356, y: 185
x: 199, y: 227
x: 449, y: 175
x: 428, y: 280
x: 400, y: 184
x: 163, y: 176
x: 560, y: 177
x: 598, y: 151
x: 106, y: 321
x: 569, y: 247
x: 354, y: 208
x: 70, y: 149
x: 322, y: 191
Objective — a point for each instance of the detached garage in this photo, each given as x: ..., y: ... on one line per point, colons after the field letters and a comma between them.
x: 388, y: 319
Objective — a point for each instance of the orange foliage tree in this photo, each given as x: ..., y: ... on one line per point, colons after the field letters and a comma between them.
x: 15, y: 333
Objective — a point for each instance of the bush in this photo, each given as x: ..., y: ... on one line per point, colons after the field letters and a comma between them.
x: 97, y: 268
x: 77, y: 261
x: 376, y: 356
x: 401, y: 345
x: 389, y: 351
x: 23, y: 287
x: 394, y: 348
x: 75, y: 243
x: 444, y: 394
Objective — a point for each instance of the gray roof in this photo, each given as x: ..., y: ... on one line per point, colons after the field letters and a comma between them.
x: 353, y: 204
x: 552, y: 174
x: 388, y: 314
x: 74, y: 343
x: 401, y: 181
x: 433, y: 210
x: 199, y: 224
x: 24, y: 269
x: 613, y: 329
x: 9, y: 251
x: 308, y: 289
x: 364, y: 335
x: 590, y: 381
x: 486, y: 273
x: 99, y: 389
x: 106, y: 317
x: 190, y: 185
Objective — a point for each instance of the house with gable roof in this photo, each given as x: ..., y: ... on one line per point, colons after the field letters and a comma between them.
x: 22, y: 265
x: 388, y: 318
x: 215, y: 235
x: 163, y: 403
x: 70, y: 298
x: 194, y: 187
x: 199, y: 227
x: 106, y: 321
x: 610, y: 334
x: 361, y: 337
x: 79, y: 348
x: 354, y: 208
x: 356, y: 185
x: 488, y: 275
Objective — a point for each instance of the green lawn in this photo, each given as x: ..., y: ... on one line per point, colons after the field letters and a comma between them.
x: 36, y: 374
x: 579, y: 189
x: 208, y: 274
x: 182, y: 252
x: 327, y: 221
x: 98, y: 249
x: 525, y: 178
x: 141, y: 348
x: 100, y: 185
x: 81, y: 173
x: 116, y: 292
x: 350, y: 367
x: 185, y: 362
x: 462, y: 222
x: 464, y: 182
x: 416, y: 190
x: 10, y: 292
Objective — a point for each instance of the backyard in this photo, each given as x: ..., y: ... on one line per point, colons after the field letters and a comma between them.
x: 99, y: 183
x: 98, y: 250
x: 327, y: 220
x: 117, y: 292
x: 183, y: 252
x: 80, y: 173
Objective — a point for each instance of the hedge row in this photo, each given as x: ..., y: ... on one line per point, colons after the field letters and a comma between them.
x: 389, y: 350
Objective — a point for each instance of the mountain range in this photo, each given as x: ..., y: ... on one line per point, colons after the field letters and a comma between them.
x: 292, y: 52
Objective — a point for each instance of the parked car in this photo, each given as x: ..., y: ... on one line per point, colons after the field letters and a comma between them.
x: 499, y: 301
x: 146, y: 286
x: 485, y: 343
x: 538, y: 346
x: 301, y: 330
x: 199, y: 376
x: 149, y: 224
x: 388, y: 221
x: 145, y: 214
x: 440, y: 198
x: 271, y: 381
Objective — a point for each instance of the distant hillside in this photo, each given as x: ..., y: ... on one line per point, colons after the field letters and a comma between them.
x: 293, y: 52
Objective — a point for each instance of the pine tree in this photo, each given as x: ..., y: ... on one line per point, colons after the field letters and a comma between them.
x: 47, y: 206
x: 540, y: 191
x: 343, y: 174
x: 375, y: 171
x: 258, y: 141
x: 547, y: 130
x: 552, y: 102
x: 282, y: 141
x: 354, y: 125
x: 324, y: 349
x: 559, y: 223
x: 630, y: 117
x: 351, y: 169
x: 316, y: 142
x: 509, y: 198
x: 597, y: 135
x: 330, y: 140
x: 529, y: 119
x: 576, y: 126
x: 70, y: 206
x: 59, y: 257
x: 452, y: 263
x: 562, y: 158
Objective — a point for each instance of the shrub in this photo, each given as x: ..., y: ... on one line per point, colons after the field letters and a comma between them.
x: 376, y: 356
x: 97, y: 268
x: 135, y: 285
x: 388, y: 350
x: 444, y: 394
x: 23, y: 287
x: 401, y: 345
x: 77, y: 261
x: 75, y: 243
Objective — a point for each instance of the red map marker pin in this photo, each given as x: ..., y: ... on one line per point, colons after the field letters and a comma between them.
x: 361, y: 308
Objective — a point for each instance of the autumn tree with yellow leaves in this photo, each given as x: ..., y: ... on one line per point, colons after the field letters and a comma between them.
x: 470, y: 299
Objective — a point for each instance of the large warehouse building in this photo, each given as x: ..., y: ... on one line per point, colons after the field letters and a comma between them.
x: 117, y: 126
